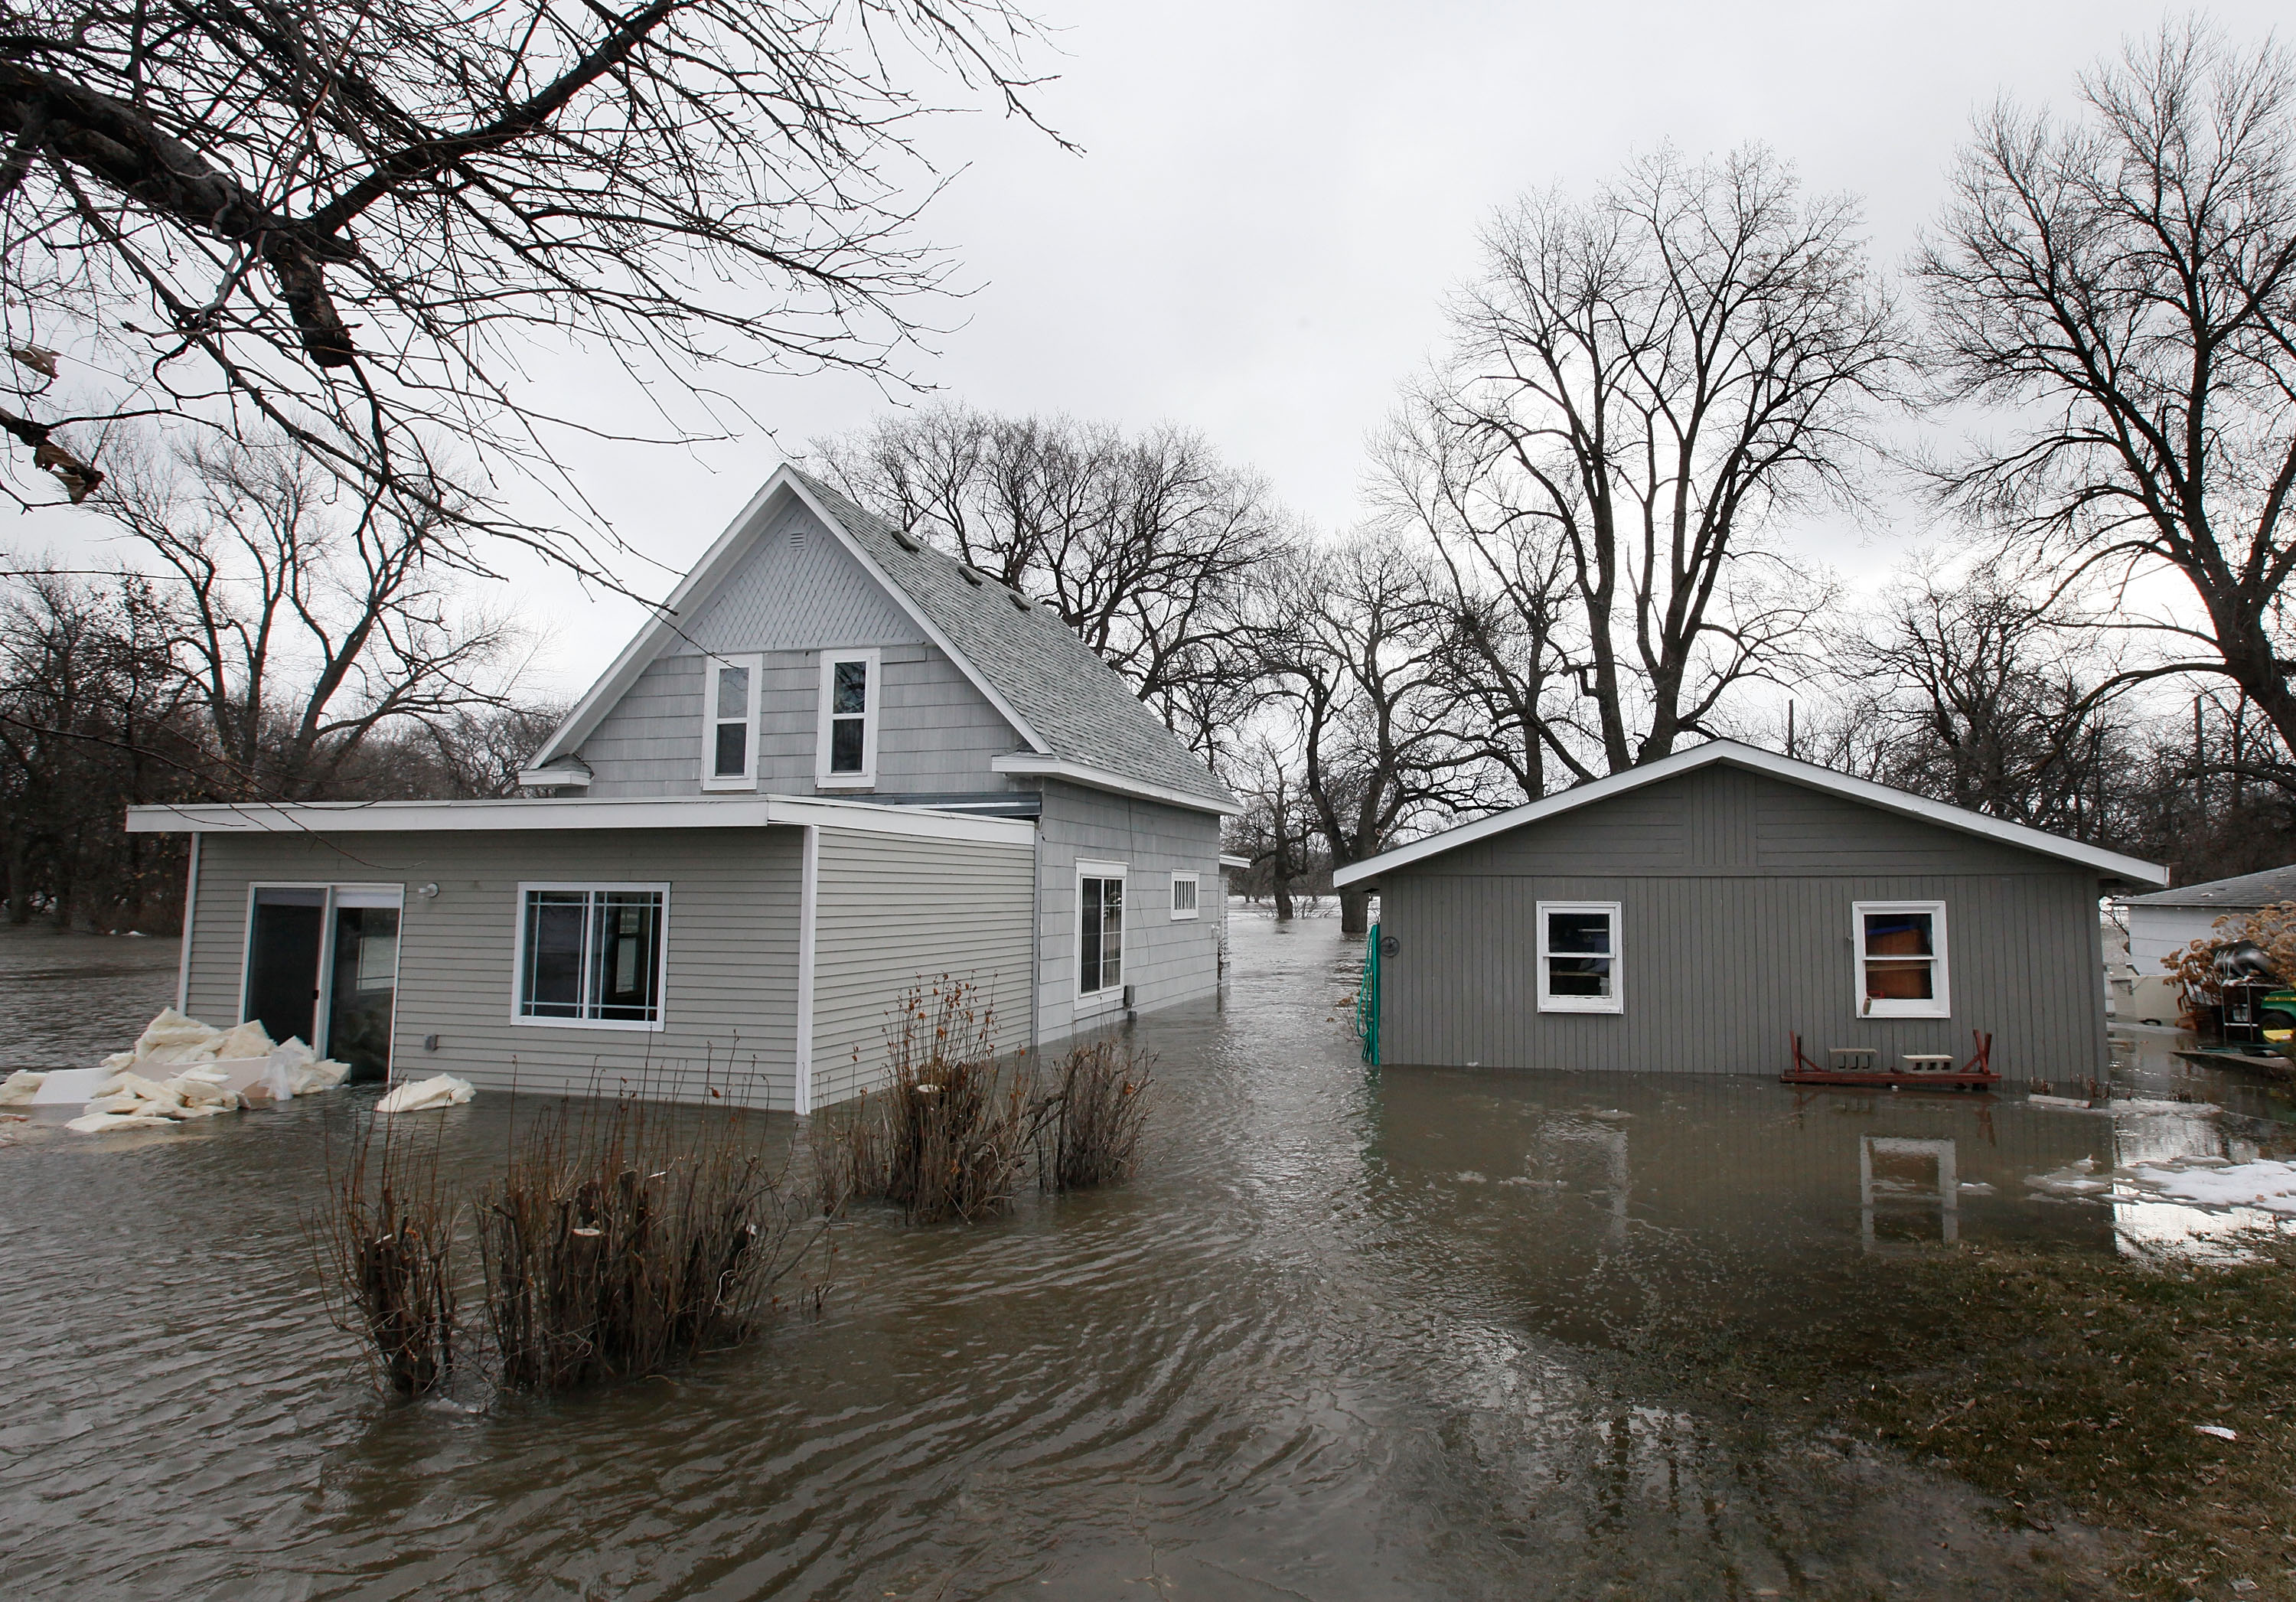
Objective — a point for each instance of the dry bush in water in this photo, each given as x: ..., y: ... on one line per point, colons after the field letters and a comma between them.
x: 623, y: 1238
x: 384, y: 1239
x: 1088, y: 1128
x: 949, y: 1136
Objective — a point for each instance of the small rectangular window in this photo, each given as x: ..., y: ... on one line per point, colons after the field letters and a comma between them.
x: 1578, y: 957
x: 850, y: 695
x: 591, y: 954
x: 729, y: 744
x: 1100, y: 933
x: 1184, y: 897
x: 1901, y: 963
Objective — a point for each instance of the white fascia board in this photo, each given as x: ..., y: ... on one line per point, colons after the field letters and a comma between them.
x: 1235, y: 863
x: 907, y: 603
x: 2111, y: 864
x: 553, y: 778
x: 1097, y: 779
x: 536, y: 814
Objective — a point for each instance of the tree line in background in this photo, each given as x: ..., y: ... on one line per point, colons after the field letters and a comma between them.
x: 1588, y: 543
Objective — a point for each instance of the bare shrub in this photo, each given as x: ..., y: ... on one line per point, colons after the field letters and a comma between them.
x: 949, y: 1136
x: 623, y: 1238
x: 384, y: 1239
x: 1087, y: 1128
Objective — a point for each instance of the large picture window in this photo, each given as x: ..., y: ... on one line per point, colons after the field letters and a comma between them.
x: 850, y: 693
x: 1901, y: 966
x: 729, y: 729
x: 1100, y: 930
x: 591, y: 954
x: 1578, y: 957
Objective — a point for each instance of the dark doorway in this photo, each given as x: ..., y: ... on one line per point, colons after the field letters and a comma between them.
x: 365, y: 982
x: 282, y: 962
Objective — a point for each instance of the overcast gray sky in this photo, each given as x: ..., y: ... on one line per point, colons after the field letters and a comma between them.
x: 1273, y: 199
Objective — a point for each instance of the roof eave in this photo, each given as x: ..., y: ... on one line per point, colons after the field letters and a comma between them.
x: 1027, y: 764
x: 530, y: 814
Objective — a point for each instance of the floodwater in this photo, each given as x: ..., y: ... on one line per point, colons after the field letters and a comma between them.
x: 1348, y: 1336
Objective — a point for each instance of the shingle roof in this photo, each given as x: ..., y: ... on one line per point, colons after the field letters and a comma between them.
x: 1075, y: 702
x: 2246, y: 889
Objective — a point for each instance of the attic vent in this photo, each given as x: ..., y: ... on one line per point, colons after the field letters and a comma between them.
x: 906, y: 540
x: 797, y: 536
x: 972, y: 577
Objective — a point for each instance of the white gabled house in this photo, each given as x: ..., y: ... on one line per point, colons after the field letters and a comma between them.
x: 836, y: 764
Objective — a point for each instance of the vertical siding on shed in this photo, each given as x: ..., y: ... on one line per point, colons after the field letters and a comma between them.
x: 891, y: 913
x: 731, y: 989
x: 1735, y: 929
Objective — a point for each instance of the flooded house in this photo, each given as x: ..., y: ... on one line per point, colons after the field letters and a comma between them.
x: 837, y: 764
x: 1696, y: 914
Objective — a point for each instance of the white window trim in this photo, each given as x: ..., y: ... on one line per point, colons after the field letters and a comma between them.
x: 1195, y: 882
x: 1941, y: 1005
x: 867, y: 778
x: 712, y: 667
x: 1113, y: 995
x: 518, y: 962
x: 1616, y: 1001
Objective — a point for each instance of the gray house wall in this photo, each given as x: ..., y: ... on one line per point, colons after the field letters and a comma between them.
x: 1165, y: 961
x: 892, y: 915
x: 1735, y: 929
x: 730, y: 990
x: 790, y: 600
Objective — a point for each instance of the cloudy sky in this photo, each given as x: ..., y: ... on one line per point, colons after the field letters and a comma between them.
x: 1272, y: 200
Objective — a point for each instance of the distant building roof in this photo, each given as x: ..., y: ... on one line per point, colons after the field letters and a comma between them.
x: 2247, y: 890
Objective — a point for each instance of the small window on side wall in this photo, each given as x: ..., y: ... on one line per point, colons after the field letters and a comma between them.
x: 1578, y: 957
x: 1902, y: 963
x: 590, y: 955
x: 846, y: 747
x: 729, y: 724
x: 1184, y: 897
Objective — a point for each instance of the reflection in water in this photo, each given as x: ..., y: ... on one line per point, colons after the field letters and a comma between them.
x: 1349, y: 1335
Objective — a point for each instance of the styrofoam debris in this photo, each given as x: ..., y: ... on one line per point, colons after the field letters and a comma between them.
x: 2072, y: 1103
x: 2074, y: 1179
x: 439, y: 1091
x: 183, y: 1069
x: 20, y: 1087
x: 96, y: 1123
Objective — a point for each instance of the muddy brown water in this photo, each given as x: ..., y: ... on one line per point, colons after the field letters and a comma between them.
x: 1348, y: 1336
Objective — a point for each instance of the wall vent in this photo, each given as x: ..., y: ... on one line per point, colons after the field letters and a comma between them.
x: 797, y: 534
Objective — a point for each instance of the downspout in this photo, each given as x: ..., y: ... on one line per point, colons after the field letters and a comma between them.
x: 191, y: 903
x: 1037, y: 942
x: 808, y: 901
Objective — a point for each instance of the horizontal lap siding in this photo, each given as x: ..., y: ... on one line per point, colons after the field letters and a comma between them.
x: 1734, y: 931
x: 730, y: 991
x: 892, y: 914
x: 1167, y: 961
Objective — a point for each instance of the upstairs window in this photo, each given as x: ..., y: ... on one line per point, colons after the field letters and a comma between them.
x: 851, y: 689
x: 729, y: 727
x: 1578, y: 957
x: 1184, y: 897
x: 1901, y: 969
x: 590, y: 955
x: 1100, y: 930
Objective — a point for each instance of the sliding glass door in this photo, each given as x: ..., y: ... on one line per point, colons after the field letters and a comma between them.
x: 323, y: 968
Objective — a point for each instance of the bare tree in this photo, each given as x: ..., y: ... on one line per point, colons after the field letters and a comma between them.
x: 348, y: 222
x: 1644, y: 386
x: 2122, y: 290
x: 307, y: 624
x: 1357, y: 658
x: 1149, y: 547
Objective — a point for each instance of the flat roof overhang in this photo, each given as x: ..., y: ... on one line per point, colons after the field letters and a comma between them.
x: 540, y: 813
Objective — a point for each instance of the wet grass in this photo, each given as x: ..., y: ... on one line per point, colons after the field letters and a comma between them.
x: 2066, y: 1385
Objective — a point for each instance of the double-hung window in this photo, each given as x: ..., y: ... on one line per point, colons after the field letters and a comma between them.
x: 590, y: 955
x: 851, y: 691
x: 1184, y: 897
x: 1578, y: 957
x: 729, y: 727
x: 1100, y: 930
x: 1902, y: 970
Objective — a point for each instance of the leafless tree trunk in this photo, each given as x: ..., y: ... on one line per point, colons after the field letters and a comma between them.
x: 1642, y: 388
x: 2123, y: 290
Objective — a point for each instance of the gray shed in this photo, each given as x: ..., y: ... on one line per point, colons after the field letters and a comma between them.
x: 1689, y: 916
